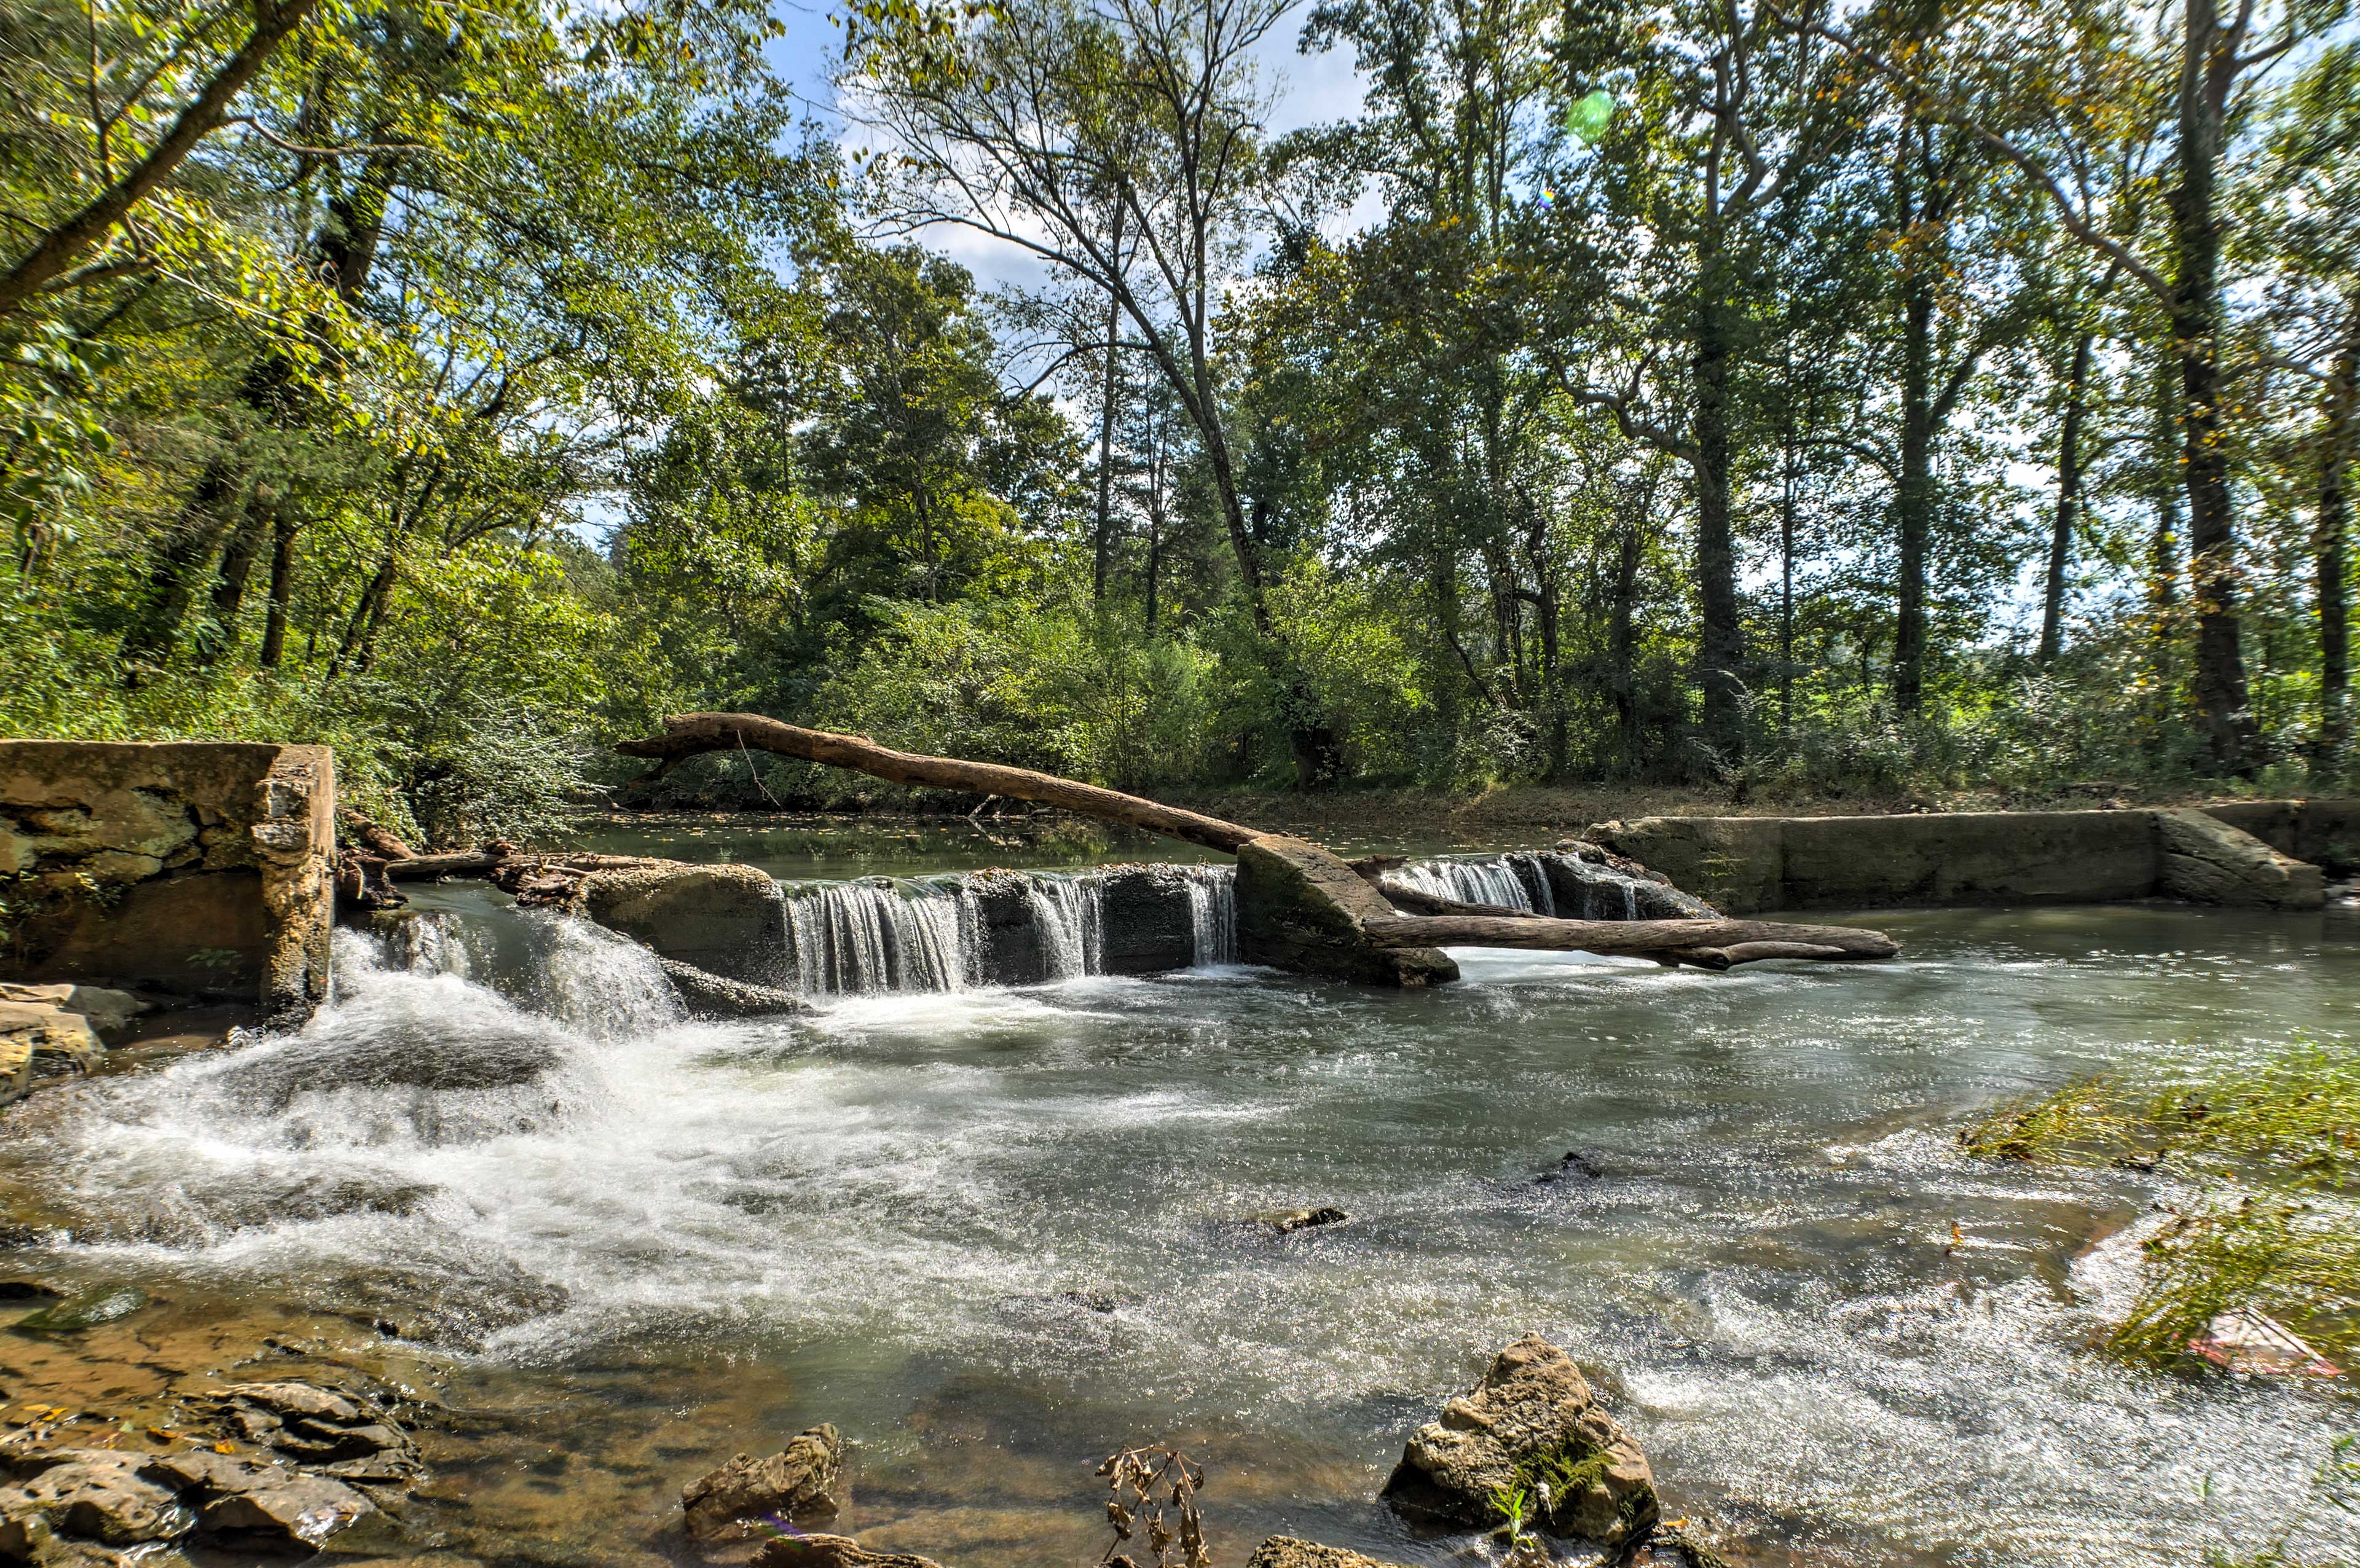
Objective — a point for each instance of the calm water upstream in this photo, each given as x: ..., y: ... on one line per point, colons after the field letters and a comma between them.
x: 994, y: 1234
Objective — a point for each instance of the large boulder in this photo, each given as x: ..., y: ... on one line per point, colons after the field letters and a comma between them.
x: 1531, y: 1425
x: 730, y: 921
x: 2206, y: 861
x: 802, y: 1481
x: 1300, y: 907
x: 1285, y: 1551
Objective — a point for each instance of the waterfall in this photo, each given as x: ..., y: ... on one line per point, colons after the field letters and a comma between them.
x: 1518, y: 881
x: 602, y: 985
x: 1069, y: 917
x: 878, y: 935
x: 1212, y: 914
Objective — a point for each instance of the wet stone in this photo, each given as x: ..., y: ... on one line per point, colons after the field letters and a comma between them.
x: 1285, y: 1551
x: 832, y: 1551
x: 95, y: 1495
x: 256, y: 1503
x: 804, y: 1480
x: 1531, y: 1425
x: 1286, y: 1221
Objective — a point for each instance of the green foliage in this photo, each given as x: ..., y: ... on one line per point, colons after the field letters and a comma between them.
x: 2274, y: 1150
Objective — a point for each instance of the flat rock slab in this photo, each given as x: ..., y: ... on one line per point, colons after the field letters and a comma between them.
x: 833, y: 1552
x: 1531, y: 1425
x: 94, y: 1494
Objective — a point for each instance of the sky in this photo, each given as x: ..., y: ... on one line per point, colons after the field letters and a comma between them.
x: 1310, y: 90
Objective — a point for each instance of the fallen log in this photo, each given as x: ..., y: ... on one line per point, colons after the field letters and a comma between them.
x: 691, y: 734
x: 1711, y: 945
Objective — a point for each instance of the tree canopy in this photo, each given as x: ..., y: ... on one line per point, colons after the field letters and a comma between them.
x: 1918, y: 397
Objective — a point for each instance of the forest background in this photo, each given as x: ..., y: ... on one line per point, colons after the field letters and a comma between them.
x: 1899, y: 400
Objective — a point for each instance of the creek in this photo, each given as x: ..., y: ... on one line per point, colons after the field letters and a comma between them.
x: 994, y: 1233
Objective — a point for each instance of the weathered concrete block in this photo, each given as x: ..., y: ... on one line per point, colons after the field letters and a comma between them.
x: 1969, y: 857
x: 1147, y: 926
x: 2205, y: 860
x: 1007, y: 930
x: 727, y: 920
x: 2326, y: 833
x: 1300, y: 907
x: 196, y: 866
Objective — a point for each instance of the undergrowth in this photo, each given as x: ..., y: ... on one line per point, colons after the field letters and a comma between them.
x: 2273, y: 1154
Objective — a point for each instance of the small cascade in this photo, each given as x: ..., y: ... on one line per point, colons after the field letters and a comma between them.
x: 1606, y: 893
x: 855, y: 938
x: 1212, y: 913
x: 599, y: 983
x: 1069, y: 917
x: 1518, y: 881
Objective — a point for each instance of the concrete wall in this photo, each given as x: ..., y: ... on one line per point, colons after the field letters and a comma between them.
x: 1750, y: 864
x: 202, y: 868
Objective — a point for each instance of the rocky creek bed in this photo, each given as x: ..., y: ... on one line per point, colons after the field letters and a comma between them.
x: 582, y: 1250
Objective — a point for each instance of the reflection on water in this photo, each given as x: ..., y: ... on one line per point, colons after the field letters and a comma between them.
x: 655, y: 1242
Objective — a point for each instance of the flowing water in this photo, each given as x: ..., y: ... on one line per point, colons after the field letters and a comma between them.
x: 994, y: 1233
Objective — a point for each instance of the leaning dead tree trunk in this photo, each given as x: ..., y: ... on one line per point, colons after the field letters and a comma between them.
x: 1299, y: 905
x: 690, y: 734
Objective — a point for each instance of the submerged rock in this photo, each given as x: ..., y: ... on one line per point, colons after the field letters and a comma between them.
x: 710, y: 996
x: 802, y: 1481
x: 832, y: 1551
x: 1531, y: 1424
x: 335, y: 1432
x: 1671, y: 1546
x: 1285, y: 1551
x: 1286, y: 1221
x: 1578, y: 1165
x: 88, y: 1310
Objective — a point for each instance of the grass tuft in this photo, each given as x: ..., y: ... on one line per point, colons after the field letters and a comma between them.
x: 2274, y: 1151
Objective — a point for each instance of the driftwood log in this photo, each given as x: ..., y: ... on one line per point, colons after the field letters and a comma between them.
x: 1711, y: 945
x: 1438, y: 922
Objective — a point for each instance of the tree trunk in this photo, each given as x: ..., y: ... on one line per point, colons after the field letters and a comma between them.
x: 2339, y: 443
x: 1789, y: 460
x: 1621, y: 643
x: 1103, y: 540
x: 283, y: 527
x: 2208, y: 71
x: 1720, y: 652
x: 1913, y: 501
x: 2068, y: 500
x: 237, y: 561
